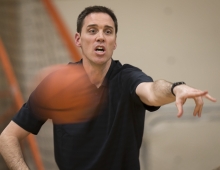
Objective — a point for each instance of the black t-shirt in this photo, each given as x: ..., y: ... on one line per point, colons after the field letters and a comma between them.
x: 111, y: 140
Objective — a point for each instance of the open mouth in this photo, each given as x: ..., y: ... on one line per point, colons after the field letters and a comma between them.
x: 100, y: 49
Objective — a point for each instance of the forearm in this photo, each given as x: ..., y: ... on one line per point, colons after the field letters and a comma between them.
x: 12, y: 154
x: 162, y: 92
x: 156, y: 93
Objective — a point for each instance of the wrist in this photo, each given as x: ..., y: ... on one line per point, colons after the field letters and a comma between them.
x: 176, y: 84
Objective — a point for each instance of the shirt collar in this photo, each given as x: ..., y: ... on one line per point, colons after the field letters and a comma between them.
x: 115, y: 65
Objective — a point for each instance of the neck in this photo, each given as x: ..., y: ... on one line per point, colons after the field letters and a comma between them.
x: 96, y: 72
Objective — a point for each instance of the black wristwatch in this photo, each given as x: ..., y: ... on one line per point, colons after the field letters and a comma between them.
x: 176, y: 84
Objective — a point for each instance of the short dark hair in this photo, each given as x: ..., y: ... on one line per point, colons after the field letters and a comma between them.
x: 95, y: 9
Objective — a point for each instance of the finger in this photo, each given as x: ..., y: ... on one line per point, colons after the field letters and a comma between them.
x: 197, y: 93
x: 198, y: 107
x: 179, y: 106
x: 184, y: 101
x: 200, y: 111
x: 207, y: 96
x: 196, y: 110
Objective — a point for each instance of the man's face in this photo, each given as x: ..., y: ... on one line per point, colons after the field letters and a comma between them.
x: 97, y: 38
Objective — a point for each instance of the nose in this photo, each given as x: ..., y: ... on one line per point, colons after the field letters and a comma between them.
x: 100, y: 37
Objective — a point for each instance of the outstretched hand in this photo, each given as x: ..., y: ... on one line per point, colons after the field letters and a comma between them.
x: 184, y: 92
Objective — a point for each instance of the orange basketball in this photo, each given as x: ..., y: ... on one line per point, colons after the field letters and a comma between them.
x: 65, y: 96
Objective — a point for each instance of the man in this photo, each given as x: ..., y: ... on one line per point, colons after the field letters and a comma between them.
x: 110, y: 141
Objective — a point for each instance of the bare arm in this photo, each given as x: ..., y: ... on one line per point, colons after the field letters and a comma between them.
x: 158, y: 93
x: 10, y: 146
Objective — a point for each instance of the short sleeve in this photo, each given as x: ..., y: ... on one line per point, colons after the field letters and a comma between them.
x: 132, y: 77
x: 27, y: 120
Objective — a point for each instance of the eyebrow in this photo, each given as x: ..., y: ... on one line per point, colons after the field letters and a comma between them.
x: 95, y: 25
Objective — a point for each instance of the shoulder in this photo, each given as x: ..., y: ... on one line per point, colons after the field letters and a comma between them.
x: 129, y: 66
x: 135, y: 73
x: 127, y: 73
x: 118, y: 69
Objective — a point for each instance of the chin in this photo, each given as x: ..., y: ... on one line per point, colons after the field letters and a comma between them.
x: 101, y: 61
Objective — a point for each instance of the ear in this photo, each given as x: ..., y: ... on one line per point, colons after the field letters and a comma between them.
x: 115, y: 45
x: 77, y: 39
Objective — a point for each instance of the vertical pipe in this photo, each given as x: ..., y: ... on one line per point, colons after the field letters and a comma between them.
x: 16, y: 93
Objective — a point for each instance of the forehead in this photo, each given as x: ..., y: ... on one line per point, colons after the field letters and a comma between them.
x: 100, y: 19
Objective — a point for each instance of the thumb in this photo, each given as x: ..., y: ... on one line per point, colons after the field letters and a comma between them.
x: 179, y: 106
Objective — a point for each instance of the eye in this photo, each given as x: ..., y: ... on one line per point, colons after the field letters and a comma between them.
x: 92, y: 31
x: 108, y: 31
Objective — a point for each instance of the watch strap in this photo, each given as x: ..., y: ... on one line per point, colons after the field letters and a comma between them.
x: 176, y: 84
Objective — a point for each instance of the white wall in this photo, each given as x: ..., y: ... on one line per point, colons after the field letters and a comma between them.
x: 175, y: 40
x: 172, y: 40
